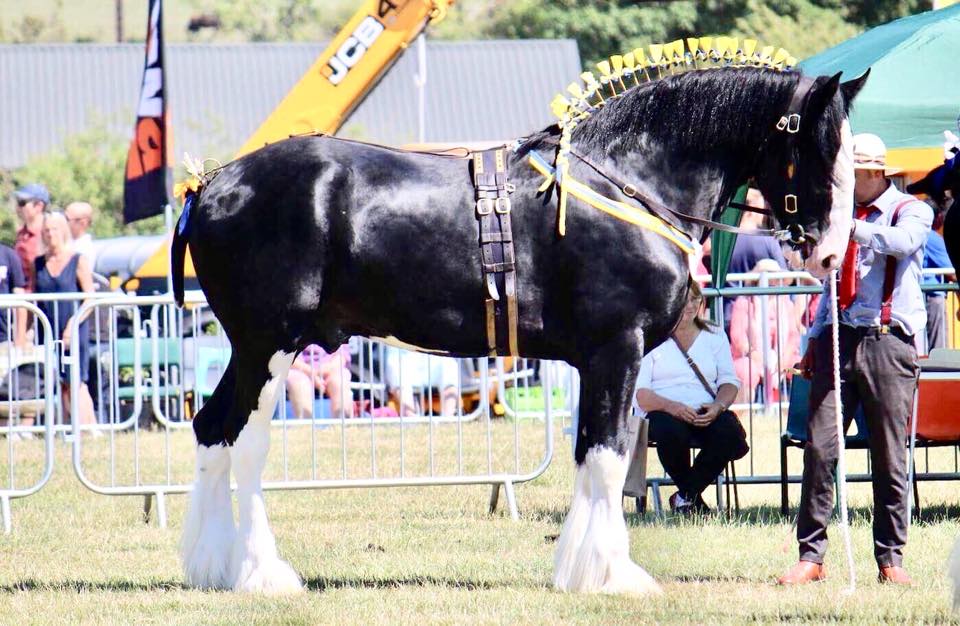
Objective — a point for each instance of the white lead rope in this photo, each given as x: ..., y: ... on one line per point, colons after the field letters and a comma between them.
x: 841, y: 463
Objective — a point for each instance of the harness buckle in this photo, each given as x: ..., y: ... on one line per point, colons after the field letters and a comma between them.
x: 502, y: 205
x: 789, y: 123
x: 629, y: 190
x: 485, y: 202
x: 790, y: 203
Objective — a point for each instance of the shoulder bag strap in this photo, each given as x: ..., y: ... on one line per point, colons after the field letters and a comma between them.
x: 693, y: 366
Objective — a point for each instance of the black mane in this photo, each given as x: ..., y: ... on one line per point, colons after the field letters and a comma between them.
x: 733, y: 108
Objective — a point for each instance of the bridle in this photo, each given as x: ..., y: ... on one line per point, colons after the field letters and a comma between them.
x: 793, y: 233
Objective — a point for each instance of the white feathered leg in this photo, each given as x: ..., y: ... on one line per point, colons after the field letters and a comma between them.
x: 208, y: 530
x: 593, y: 552
x: 255, y: 563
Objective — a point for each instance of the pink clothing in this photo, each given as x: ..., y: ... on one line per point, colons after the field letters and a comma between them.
x: 747, y: 343
x: 316, y: 356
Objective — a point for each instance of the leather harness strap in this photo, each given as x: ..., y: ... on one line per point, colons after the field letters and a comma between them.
x: 497, y: 258
x: 889, y: 277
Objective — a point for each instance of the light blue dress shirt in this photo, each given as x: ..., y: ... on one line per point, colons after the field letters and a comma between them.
x: 878, y: 239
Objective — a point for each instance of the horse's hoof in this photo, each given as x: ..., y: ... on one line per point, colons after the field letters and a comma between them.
x: 206, y: 561
x: 272, y: 576
x: 631, y: 579
x: 207, y: 568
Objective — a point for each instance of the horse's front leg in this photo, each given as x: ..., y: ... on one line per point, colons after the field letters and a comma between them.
x: 593, y: 553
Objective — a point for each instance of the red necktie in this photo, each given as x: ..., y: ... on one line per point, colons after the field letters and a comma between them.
x: 848, y: 271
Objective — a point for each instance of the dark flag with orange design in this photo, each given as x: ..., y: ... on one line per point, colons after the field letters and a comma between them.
x: 146, y: 190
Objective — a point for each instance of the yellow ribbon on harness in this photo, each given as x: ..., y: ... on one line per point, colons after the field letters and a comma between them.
x: 619, y: 210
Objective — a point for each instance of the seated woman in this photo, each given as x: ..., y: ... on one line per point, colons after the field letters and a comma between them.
x: 328, y: 374
x: 782, y: 343
x: 688, y: 406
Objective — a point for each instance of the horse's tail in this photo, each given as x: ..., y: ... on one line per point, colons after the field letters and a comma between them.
x: 178, y: 248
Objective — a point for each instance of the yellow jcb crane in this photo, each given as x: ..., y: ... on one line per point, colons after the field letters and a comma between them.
x: 348, y: 69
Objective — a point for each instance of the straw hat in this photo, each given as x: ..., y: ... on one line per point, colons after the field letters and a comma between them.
x: 870, y: 153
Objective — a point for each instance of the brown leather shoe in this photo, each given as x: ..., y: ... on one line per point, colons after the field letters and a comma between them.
x: 803, y: 572
x: 894, y: 574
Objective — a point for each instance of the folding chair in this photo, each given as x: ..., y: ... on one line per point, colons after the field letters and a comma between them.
x: 937, y: 410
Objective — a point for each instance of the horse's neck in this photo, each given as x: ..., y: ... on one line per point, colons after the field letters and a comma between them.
x: 683, y: 183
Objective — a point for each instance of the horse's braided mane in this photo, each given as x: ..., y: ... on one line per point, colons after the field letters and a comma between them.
x: 714, y: 94
x: 696, y: 110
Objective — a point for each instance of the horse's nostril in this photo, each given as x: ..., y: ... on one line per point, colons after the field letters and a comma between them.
x: 829, y: 262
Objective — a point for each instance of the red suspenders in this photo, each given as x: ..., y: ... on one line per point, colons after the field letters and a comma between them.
x: 890, y: 275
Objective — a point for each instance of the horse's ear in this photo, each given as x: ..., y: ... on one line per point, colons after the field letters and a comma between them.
x: 822, y: 96
x: 851, y: 88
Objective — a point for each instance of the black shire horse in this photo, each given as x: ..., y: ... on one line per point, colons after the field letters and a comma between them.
x: 315, y: 239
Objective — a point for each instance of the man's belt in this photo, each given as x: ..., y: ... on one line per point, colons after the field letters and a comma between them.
x: 496, y: 250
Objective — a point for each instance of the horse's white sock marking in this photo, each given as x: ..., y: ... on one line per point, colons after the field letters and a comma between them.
x: 255, y: 565
x: 208, y: 530
x: 593, y: 552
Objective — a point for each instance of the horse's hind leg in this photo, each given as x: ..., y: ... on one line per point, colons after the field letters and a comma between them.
x: 593, y: 552
x: 255, y: 564
x: 208, y: 531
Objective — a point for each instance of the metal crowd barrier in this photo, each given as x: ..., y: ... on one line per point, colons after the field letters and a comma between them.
x: 150, y: 382
x: 32, y: 365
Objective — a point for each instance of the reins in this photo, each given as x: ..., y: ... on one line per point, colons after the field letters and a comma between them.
x: 658, y: 208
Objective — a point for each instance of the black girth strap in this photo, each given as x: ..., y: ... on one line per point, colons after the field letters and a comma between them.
x: 496, y: 250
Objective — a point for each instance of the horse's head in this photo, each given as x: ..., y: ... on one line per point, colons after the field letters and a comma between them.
x: 806, y: 172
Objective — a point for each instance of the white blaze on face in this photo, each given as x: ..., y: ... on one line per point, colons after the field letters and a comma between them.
x: 829, y: 252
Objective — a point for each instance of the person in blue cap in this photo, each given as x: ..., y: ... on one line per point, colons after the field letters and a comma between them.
x: 32, y: 202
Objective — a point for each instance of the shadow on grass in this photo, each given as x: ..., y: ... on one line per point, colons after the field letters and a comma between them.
x: 322, y: 583
x: 313, y: 584
x: 85, y: 586
x: 757, y: 515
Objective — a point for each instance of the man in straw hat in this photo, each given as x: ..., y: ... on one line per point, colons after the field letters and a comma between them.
x: 881, y: 311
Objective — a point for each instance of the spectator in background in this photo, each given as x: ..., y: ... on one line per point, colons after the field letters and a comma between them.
x: 80, y: 217
x: 781, y: 345
x: 328, y: 374
x: 751, y: 249
x: 686, y: 386
x: 405, y: 370
x: 32, y: 202
x: 61, y: 270
x: 935, y: 255
x: 12, y: 280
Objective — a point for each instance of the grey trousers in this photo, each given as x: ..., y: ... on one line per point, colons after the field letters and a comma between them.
x: 879, y: 372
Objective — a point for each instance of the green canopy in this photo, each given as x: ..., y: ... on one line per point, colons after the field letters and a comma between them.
x: 722, y: 243
x: 913, y: 93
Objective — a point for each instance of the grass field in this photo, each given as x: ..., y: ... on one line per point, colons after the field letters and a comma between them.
x: 434, y: 555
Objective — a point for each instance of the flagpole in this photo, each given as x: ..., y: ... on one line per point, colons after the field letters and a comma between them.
x: 168, y: 228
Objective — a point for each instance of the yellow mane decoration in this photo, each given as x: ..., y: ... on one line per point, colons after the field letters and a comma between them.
x: 623, y: 72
